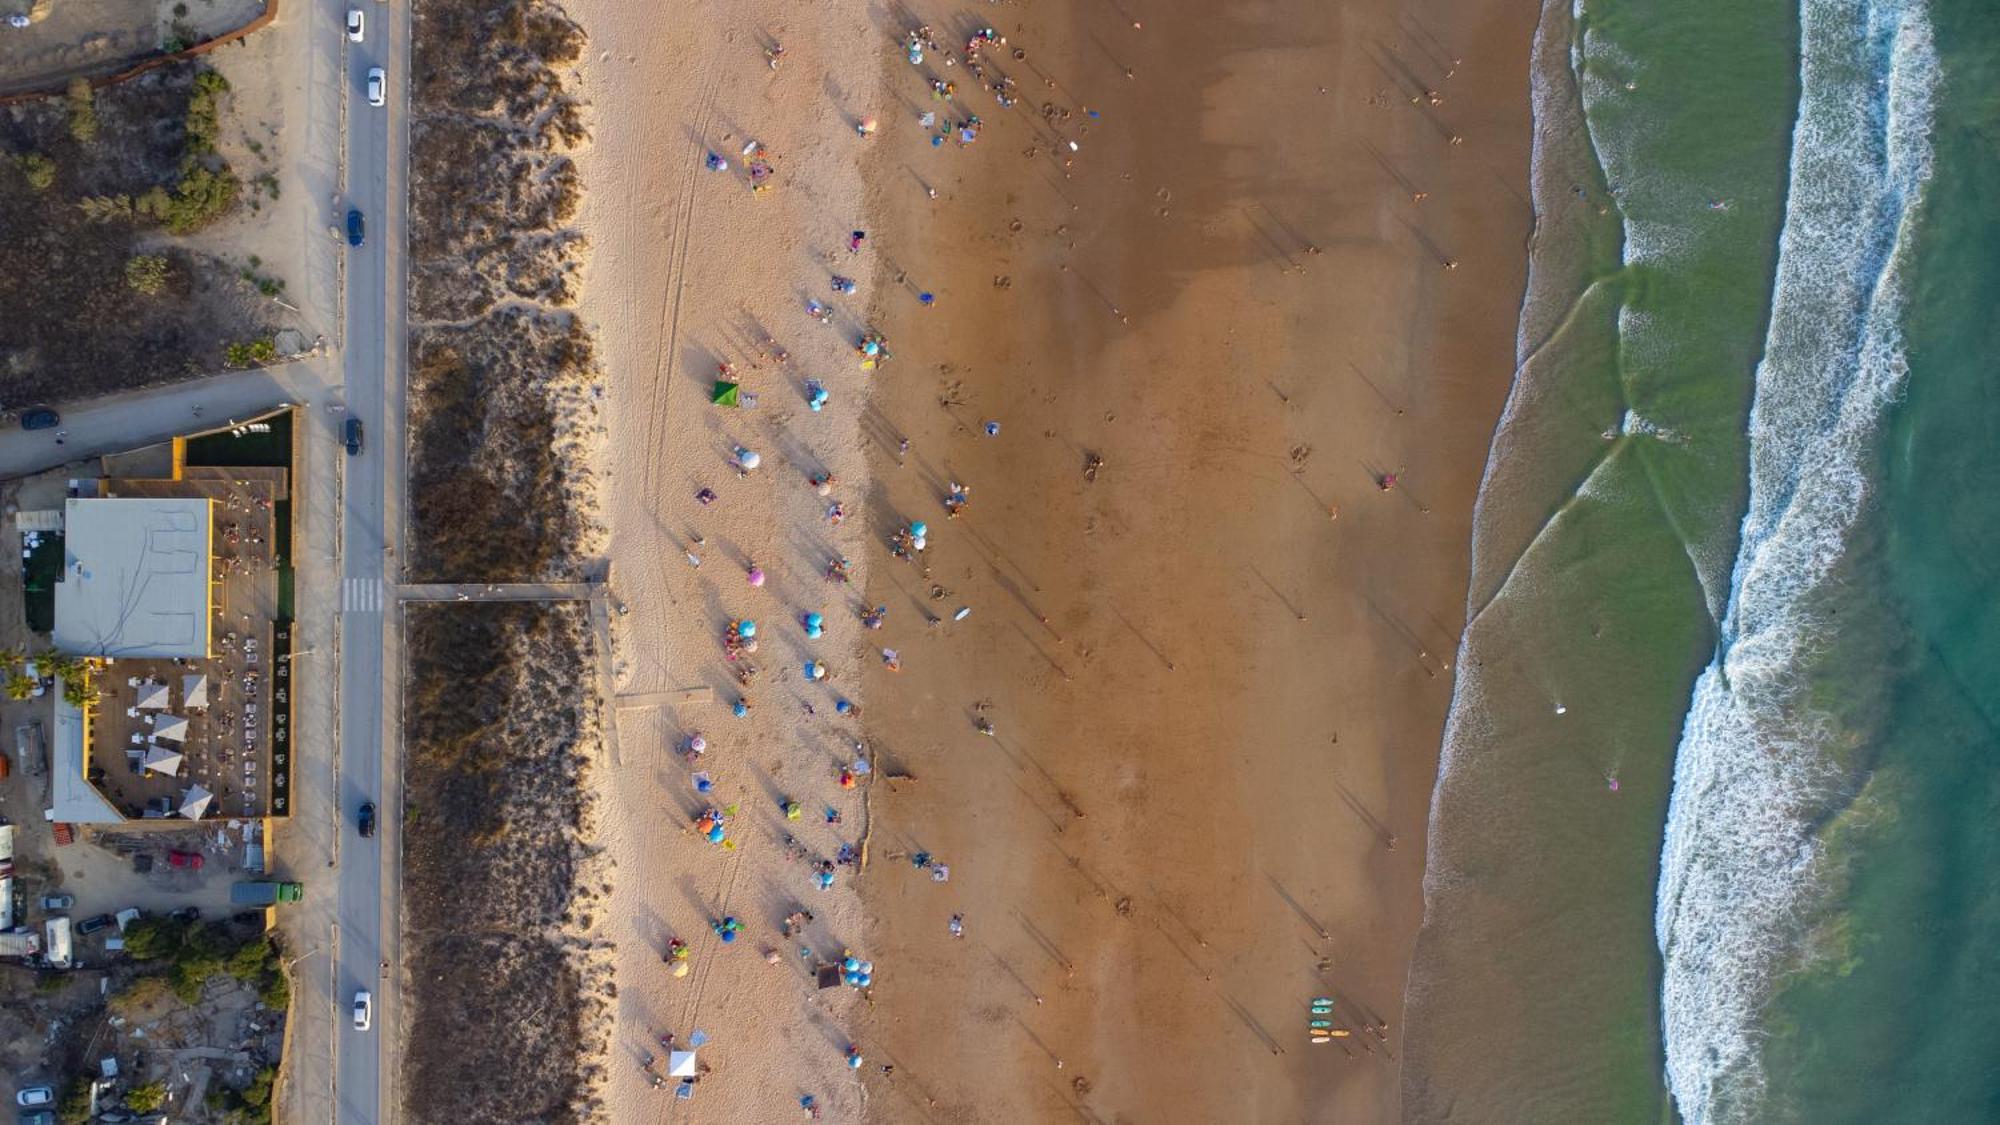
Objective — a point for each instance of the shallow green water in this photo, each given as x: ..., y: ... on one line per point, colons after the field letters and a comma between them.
x: 1776, y: 630
x: 1600, y: 562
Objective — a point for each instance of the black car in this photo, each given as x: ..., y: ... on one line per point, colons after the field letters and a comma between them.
x: 186, y: 914
x: 354, y: 437
x: 355, y: 228
x: 92, y: 925
x: 40, y: 418
x: 366, y: 821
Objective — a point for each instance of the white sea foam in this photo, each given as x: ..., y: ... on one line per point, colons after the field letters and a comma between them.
x: 1754, y: 765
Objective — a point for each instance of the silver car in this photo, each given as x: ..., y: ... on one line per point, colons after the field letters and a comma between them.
x: 364, y: 1010
x: 378, y: 86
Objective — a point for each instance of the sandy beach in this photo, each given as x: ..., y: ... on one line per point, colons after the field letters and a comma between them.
x: 1279, y: 269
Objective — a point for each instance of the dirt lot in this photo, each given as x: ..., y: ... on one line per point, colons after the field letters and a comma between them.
x: 96, y: 37
x: 501, y: 376
x: 80, y: 318
x: 508, y: 989
x: 212, y: 1053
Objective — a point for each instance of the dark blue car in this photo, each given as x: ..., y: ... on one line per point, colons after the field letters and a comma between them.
x: 354, y: 228
x: 40, y: 418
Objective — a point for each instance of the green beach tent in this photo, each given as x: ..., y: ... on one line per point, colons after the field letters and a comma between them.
x: 725, y: 393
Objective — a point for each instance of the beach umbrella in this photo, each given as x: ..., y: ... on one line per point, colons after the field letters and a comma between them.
x: 919, y: 528
x: 680, y: 969
x: 814, y: 670
x: 746, y: 628
x: 748, y: 458
x: 842, y: 707
x: 918, y: 543
x: 756, y: 576
x: 716, y: 834
x: 725, y: 393
x: 704, y: 783
x: 813, y: 621
x: 740, y: 709
x: 698, y: 744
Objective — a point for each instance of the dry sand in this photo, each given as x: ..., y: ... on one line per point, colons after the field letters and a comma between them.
x: 1231, y: 295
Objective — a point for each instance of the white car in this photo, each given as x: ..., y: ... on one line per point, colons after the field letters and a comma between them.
x: 35, y: 1096
x: 354, y: 24
x: 378, y: 86
x: 364, y: 1010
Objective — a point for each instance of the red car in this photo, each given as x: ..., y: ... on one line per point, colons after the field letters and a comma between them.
x: 189, y: 860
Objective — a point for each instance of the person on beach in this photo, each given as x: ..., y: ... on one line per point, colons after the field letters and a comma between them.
x: 873, y: 618
x: 957, y: 925
x: 855, y: 240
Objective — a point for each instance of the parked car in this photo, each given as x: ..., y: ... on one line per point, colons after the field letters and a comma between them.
x: 58, y: 901
x: 189, y: 860
x: 35, y: 1096
x: 186, y: 914
x: 356, y: 228
x: 366, y: 821
x: 354, y: 24
x: 354, y: 437
x: 38, y: 1117
x: 92, y: 925
x: 364, y: 1010
x: 40, y: 418
x: 378, y: 86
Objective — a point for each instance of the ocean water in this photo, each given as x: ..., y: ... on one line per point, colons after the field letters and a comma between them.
x: 1713, y: 832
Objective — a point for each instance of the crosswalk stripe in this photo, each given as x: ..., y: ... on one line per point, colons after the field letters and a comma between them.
x: 361, y: 595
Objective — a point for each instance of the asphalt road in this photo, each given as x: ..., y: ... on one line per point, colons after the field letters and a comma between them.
x: 373, y: 349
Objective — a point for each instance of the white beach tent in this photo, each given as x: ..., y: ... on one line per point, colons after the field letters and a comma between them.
x: 171, y: 727
x: 162, y: 760
x: 680, y: 1064
x: 194, y: 692
x: 195, y: 802
x: 152, y: 697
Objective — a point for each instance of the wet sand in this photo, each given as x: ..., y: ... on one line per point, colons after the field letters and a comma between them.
x: 1241, y: 694
x: 1215, y: 704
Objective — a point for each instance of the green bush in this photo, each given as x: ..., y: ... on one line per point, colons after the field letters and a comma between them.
x: 204, y: 113
x: 82, y: 110
x: 74, y: 1109
x: 39, y: 169
x: 202, y: 196
x: 147, y: 1098
x: 147, y: 273
x: 150, y: 939
x: 251, y: 353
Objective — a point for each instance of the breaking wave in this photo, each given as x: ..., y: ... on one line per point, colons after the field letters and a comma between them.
x: 1755, y: 766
